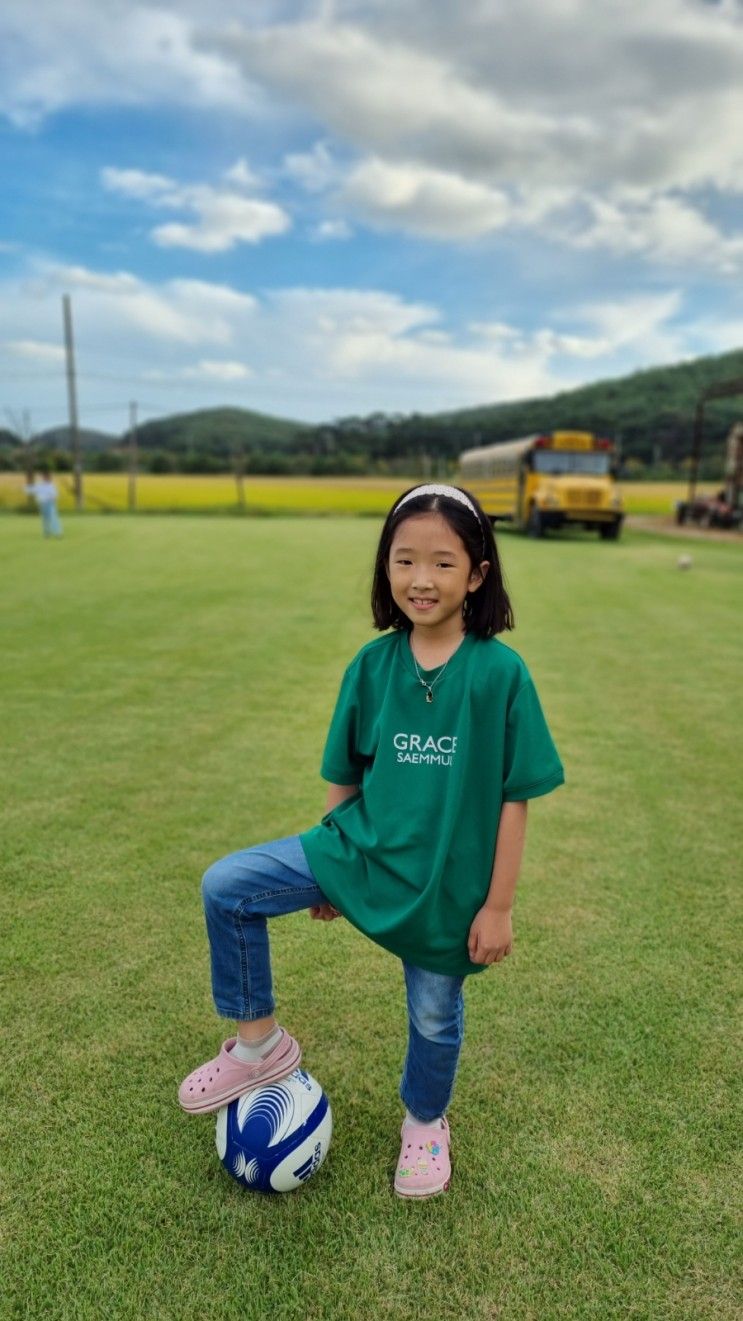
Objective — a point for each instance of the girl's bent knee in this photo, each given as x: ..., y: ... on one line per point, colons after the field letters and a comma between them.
x: 215, y: 883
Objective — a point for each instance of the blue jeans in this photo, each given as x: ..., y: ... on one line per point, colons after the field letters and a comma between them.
x: 50, y: 523
x: 241, y: 891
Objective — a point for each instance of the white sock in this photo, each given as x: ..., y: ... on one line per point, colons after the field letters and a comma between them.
x: 250, y: 1051
x: 429, y: 1123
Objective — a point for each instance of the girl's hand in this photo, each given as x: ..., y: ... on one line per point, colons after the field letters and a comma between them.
x: 324, y: 912
x: 491, y: 936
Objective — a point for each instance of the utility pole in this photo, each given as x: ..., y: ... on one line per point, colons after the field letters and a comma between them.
x: 26, y: 437
x: 77, y: 472
x: 132, y: 457
x: 239, y: 465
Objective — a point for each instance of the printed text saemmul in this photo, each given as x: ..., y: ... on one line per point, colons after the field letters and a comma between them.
x: 429, y: 751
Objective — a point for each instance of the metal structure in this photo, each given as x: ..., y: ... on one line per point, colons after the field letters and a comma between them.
x: 723, y: 509
x: 722, y: 390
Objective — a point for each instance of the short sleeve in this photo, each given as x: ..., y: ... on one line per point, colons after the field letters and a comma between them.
x: 341, y: 761
x: 531, y: 766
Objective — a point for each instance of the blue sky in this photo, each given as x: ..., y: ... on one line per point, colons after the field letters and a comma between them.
x: 319, y: 209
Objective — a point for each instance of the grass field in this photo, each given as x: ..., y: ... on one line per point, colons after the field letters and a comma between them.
x: 166, y: 689
x: 108, y: 493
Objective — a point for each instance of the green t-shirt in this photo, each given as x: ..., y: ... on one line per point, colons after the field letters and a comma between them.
x: 408, y: 859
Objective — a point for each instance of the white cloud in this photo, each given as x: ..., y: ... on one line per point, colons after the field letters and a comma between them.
x: 433, y: 202
x: 311, y: 351
x: 435, y: 337
x: 497, y: 331
x: 664, y: 229
x: 646, y: 326
x: 604, y: 126
x: 137, y: 183
x: 318, y: 352
x: 610, y: 128
x: 334, y: 312
x: 223, y: 218
x: 348, y: 339
x: 642, y: 327
x: 176, y: 312
x: 100, y: 52
x: 314, y: 170
x: 35, y: 350
x: 385, y: 95
x: 555, y: 343
x: 241, y: 174
x: 121, y: 282
x: 217, y: 297
x: 223, y: 371
x: 204, y: 370
x: 330, y: 231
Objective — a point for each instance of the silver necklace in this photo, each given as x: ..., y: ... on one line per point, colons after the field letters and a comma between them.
x: 429, y: 687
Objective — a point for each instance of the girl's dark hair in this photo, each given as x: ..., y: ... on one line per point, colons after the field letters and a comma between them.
x: 486, y: 611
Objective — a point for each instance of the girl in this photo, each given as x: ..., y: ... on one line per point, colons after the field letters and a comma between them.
x: 45, y: 494
x: 437, y: 741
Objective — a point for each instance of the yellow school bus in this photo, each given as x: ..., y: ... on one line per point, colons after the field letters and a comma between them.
x: 547, y: 481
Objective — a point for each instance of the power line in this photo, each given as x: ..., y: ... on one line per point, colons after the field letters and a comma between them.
x: 69, y: 343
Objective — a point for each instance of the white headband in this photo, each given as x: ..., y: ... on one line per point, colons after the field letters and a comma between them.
x: 451, y: 491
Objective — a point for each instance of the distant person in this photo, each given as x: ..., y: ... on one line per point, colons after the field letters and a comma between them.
x: 45, y: 494
x: 437, y: 741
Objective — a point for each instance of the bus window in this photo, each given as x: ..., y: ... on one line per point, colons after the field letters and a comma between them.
x: 560, y: 461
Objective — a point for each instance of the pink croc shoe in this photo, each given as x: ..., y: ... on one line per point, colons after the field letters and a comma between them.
x: 223, y: 1079
x: 424, y: 1167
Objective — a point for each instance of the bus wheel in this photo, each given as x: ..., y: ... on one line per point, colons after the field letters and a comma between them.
x: 535, y: 525
x: 609, y: 531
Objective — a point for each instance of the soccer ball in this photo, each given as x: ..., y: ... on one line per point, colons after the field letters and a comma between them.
x: 274, y: 1138
x: 684, y: 561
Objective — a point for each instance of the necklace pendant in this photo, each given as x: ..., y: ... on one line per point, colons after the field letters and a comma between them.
x: 429, y: 695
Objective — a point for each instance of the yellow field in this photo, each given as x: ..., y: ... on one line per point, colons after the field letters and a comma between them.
x: 307, y: 495
x: 659, y: 497
x: 109, y: 491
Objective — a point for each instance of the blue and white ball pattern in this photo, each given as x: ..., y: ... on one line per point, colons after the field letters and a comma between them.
x: 274, y: 1138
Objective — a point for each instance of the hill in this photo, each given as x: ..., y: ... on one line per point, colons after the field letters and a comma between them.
x: 58, y: 438
x: 649, y: 413
x: 215, y: 439
x: 207, y: 440
x: 220, y: 431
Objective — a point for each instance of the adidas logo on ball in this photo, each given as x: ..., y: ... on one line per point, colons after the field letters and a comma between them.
x: 311, y: 1164
x: 274, y: 1138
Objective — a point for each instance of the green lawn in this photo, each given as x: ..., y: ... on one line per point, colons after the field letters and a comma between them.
x: 166, y: 689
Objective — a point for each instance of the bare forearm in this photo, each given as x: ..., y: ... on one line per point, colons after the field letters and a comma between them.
x: 509, y: 849
x: 338, y: 793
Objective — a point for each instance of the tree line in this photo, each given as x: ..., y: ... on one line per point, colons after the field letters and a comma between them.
x: 649, y: 415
